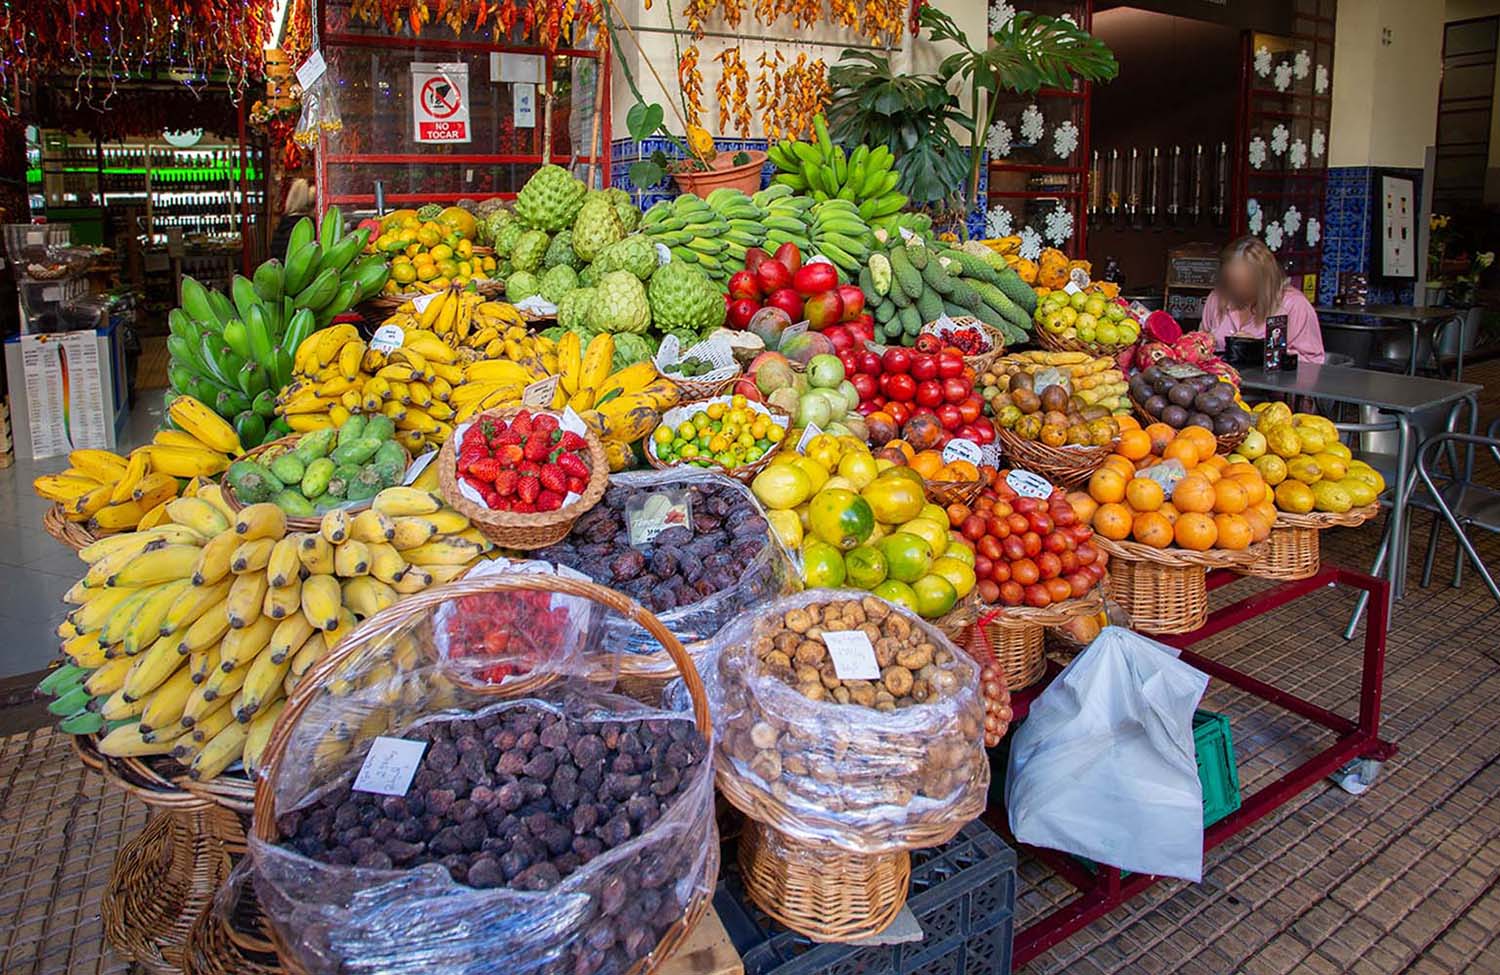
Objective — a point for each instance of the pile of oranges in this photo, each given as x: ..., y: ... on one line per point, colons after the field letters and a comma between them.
x: 1207, y: 503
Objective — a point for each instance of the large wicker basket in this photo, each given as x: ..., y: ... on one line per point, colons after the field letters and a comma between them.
x: 294, y: 523
x: 1165, y: 589
x: 391, y: 621
x: 1057, y: 343
x: 1292, y: 551
x: 70, y: 533
x: 522, y: 530
x: 1015, y: 636
x: 1067, y: 466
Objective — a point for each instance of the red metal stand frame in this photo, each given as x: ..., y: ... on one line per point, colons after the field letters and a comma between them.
x: 1102, y: 892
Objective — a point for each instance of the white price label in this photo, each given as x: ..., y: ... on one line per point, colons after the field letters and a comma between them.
x: 1029, y: 485
x: 311, y: 70
x: 663, y: 255
x: 991, y: 454
x: 420, y: 302
x: 572, y: 422
x: 540, y: 392
x: 963, y: 450
x: 908, y: 237
x: 523, y: 106
x: 791, y: 332
x: 853, y: 656
x: 418, y: 466
x: 812, y: 431
x: 388, y: 338
x: 1072, y: 288
x: 389, y: 766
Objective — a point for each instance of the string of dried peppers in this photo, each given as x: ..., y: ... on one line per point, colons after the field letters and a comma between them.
x: 548, y: 23
x: 733, y: 92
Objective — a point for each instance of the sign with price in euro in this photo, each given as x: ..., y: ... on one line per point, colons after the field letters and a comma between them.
x: 440, y: 101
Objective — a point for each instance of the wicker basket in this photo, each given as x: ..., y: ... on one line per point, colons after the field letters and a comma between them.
x: 746, y: 472
x: 1056, y: 343
x: 695, y: 389
x: 1164, y: 589
x: 70, y: 533
x: 1226, y: 442
x: 983, y: 361
x: 953, y: 492
x: 1015, y: 636
x: 522, y: 530
x: 1066, y: 466
x: 1292, y: 551
x: 294, y: 523
x: 383, y: 625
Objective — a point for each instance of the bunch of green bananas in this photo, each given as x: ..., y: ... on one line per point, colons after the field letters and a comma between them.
x: 745, y: 217
x: 824, y: 171
x: 786, y: 217
x: 839, y: 233
x: 234, y: 353
x: 696, y: 233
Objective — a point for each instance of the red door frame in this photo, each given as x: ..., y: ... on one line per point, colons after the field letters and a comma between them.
x: 324, y: 158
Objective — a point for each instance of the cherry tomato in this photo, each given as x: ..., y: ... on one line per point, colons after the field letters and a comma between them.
x: 1025, y: 571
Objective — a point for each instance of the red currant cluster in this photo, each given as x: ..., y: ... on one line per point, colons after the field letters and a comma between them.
x: 528, y: 464
x: 969, y: 341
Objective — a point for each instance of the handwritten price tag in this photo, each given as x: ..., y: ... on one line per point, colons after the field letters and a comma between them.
x: 540, y: 392
x: 853, y: 656
x: 389, y: 766
x: 963, y: 450
x: 387, y: 338
x: 1029, y: 485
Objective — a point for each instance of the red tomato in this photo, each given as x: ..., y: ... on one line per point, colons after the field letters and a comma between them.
x: 895, y: 359
x: 973, y: 527
x: 866, y: 385
x: 1049, y: 565
x: 991, y: 549
x: 1011, y: 593
x: 1038, y: 596
x: 1079, y: 584
x: 1018, y: 523
x: 1055, y: 542
x: 1033, y: 543
x: 869, y: 363
x: 899, y: 411
x: 1059, y: 589
x: 867, y: 406
x: 850, y: 359
x: 947, y: 415
x: 970, y: 410
x: 902, y: 386
x: 1041, y: 522
x: 1086, y: 553
x: 982, y: 567
x: 997, y: 526
x: 929, y: 344
x: 923, y: 367
x: 1000, y: 571
x: 1069, y: 562
x: 1011, y: 546
x: 988, y: 591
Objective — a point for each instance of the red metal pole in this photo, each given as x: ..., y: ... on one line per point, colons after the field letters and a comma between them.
x: 244, y: 198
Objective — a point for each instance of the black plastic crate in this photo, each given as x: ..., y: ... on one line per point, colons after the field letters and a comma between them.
x: 962, y: 893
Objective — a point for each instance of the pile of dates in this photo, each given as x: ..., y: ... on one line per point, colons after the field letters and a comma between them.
x: 681, y: 566
x: 521, y: 798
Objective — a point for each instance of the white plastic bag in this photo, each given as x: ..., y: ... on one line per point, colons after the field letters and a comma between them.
x: 1104, y: 765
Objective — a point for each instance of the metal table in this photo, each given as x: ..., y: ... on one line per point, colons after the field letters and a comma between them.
x: 1377, y: 318
x: 1404, y: 397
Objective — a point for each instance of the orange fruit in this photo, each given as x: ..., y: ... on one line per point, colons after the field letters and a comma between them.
x: 1134, y: 444
x: 1161, y: 435
x: 1127, y: 422
x: 1195, y: 494
x: 1113, y: 521
x: 1083, y: 506
x: 1169, y: 511
x: 927, y: 463
x: 1107, y: 485
x: 1217, y: 461
x: 1202, y: 439
x: 1182, y: 450
x: 1152, y: 528
x: 958, y: 470
x: 1255, y: 488
x: 1241, y: 470
x: 1230, y: 497
x: 1144, y: 494
x: 906, y: 449
x: 1267, y: 508
x: 1260, y: 529
x: 1208, y: 471
x: 1195, y: 530
x: 1121, y: 464
x: 1235, y: 532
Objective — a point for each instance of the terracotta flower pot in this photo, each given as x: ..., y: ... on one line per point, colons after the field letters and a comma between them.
x: 723, y: 172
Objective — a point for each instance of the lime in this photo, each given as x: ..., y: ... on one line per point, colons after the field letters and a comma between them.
x: 841, y: 518
x: 935, y: 595
x: 959, y: 575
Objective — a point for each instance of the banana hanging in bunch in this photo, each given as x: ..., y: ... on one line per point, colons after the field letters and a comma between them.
x: 745, y: 217
x: 187, y: 636
x: 464, y: 320
x: 786, y: 217
x: 620, y: 407
x: 840, y: 234
x: 696, y: 233
x: 867, y: 177
x: 109, y: 493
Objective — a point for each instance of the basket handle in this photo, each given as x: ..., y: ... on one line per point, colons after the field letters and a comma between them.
x: 391, y: 619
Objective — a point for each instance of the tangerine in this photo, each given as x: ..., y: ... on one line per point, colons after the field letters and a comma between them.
x: 1200, y: 438
x: 1144, y: 494
x: 1152, y: 528
x: 1241, y: 469
x: 1196, y: 531
x: 1107, y: 485
x: 1169, y: 511
x: 1208, y: 471
x: 1083, y: 506
x: 1182, y: 450
x: 1161, y: 434
x: 1267, y: 507
x: 1113, y: 521
x: 1127, y: 422
x: 1235, y: 532
x: 1134, y: 444
x: 927, y: 463
x: 1255, y: 488
x: 1260, y: 529
x: 1117, y: 463
x: 1194, y: 494
x: 1230, y: 497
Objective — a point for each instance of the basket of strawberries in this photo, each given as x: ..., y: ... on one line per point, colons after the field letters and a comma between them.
x: 523, y: 476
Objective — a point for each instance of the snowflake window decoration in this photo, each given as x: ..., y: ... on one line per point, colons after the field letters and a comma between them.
x: 1297, y: 155
x: 1263, y: 61
x: 1279, y: 136
x: 1000, y: 14
x: 1319, y: 143
x: 1273, y: 235
x: 1300, y: 65
x: 1283, y: 76
x: 1320, y: 80
x: 1032, y: 125
x: 1255, y: 220
x: 1291, y: 220
x: 1065, y: 139
x: 1031, y: 244
x: 1059, y: 227
x: 998, y: 222
x: 1257, y: 152
x: 1314, y: 231
x: 998, y: 141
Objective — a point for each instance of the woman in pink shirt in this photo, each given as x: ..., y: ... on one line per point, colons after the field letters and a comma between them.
x: 1253, y: 288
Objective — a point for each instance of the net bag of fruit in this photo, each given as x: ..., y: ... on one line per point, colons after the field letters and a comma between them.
x: 692, y: 545
x: 457, y: 789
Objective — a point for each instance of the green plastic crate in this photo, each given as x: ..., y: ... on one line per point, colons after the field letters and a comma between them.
x: 1216, y: 768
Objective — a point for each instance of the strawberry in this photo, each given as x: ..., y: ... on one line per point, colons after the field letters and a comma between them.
x: 522, y: 423
x: 473, y: 437
x: 573, y: 466
x: 469, y: 456
x: 549, y: 501
x: 505, y: 483
x: 504, y: 437
x: 521, y: 507
x: 486, y: 469
x: 553, y: 478
x: 577, y: 485
x: 537, y: 447
x: 493, y: 501
x: 474, y: 482
x: 528, y: 467
x: 571, y: 441
x: 510, y: 454
x: 527, y: 489
x: 543, y: 423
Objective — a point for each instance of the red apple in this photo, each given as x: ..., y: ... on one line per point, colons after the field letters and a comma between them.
x: 810, y: 279
x: 772, y: 276
x: 955, y: 391
x: 950, y: 364
x: 823, y: 309
x: 844, y: 341
x: 900, y: 412
x: 854, y: 300
x: 902, y: 387
x: 755, y: 257
x: 743, y: 284
x: 928, y: 344
x: 789, y: 255
x: 866, y: 385
x: 869, y: 362
x: 863, y: 326
x: 785, y: 298
x: 741, y: 311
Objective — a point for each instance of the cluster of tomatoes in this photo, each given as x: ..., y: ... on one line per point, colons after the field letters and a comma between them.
x: 928, y: 380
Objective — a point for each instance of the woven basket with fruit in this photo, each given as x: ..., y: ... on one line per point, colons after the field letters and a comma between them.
x: 1182, y: 396
x: 730, y: 433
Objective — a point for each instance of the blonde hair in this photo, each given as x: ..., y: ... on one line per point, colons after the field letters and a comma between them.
x: 1272, y: 281
x: 300, y: 197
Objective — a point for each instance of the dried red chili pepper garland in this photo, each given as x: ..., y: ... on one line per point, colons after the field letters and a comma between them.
x: 549, y: 23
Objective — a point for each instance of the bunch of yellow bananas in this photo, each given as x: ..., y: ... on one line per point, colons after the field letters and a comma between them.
x: 109, y: 493
x: 197, y: 629
x: 463, y: 319
x: 620, y: 407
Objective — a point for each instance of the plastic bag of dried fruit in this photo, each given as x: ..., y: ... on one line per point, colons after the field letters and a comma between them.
x: 691, y: 545
x: 841, y: 718
x: 457, y: 790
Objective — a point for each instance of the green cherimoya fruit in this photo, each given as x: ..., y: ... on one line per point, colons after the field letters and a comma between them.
x: 908, y: 278
x: 625, y: 209
x: 573, y: 309
x: 596, y: 227
x: 589, y: 276
x: 620, y: 304
x: 630, y: 349
x: 530, y: 248
x: 557, y: 282
x: 930, y: 305
x: 550, y: 199
x: 636, y: 254
x: 683, y: 297
x: 522, y: 285
x: 429, y: 211
x: 964, y: 295
x: 560, y: 252
x: 1017, y: 290
x: 506, y: 237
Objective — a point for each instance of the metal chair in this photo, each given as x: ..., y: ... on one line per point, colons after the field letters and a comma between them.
x: 1460, y: 502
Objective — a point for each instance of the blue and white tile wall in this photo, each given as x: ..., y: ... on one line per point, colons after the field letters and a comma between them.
x: 1348, y: 232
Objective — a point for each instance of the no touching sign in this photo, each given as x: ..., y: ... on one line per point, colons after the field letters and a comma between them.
x: 440, y: 101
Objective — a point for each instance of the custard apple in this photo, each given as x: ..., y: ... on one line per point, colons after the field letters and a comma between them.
x: 636, y: 254
x: 484, y: 208
x: 589, y: 276
x: 558, y: 281
x: 682, y: 297
x: 506, y: 236
x: 429, y: 211
x: 550, y: 199
x: 630, y: 349
x: 493, y: 223
x: 522, y: 284
x: 625, y: 208
x: 597, y: 226
x: 561, y: 252
x: 573, y: 309
x: 620, y: 304
x: 530, y: 248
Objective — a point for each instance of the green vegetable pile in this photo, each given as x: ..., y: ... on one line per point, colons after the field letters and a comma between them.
x: 325, y: 469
